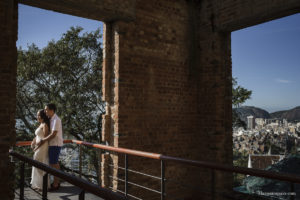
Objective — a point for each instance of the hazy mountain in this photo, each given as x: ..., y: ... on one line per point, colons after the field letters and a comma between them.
x: 245, y: 111
x: 290, y: 115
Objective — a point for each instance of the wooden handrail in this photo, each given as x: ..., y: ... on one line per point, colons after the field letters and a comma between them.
x: 120, y: 150
x: 28, y: 143
x: 81, y: 183
x: 104, y: 147
x: 234, y: 169
x: 23, y: 143
x: 210, y: 165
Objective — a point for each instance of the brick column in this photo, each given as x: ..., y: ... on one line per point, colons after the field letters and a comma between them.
x: 8, y: 66
x: 110, y: 97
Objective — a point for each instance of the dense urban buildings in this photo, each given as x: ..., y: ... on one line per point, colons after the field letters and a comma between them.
x: 264, y: 135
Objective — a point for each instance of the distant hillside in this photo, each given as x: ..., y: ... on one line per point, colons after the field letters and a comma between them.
x: 290, y: 115
x: 245, y: 111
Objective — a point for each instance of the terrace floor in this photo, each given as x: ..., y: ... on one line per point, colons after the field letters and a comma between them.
x: 66, y: 192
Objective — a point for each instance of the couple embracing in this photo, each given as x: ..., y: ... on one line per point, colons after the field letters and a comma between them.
x: 46, y: 146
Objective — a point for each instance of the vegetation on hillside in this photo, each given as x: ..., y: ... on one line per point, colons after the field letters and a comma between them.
x: 239, y: 96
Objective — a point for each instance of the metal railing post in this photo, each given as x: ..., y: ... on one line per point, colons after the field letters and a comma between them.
x: 212, y: 184
x: 81, y: 195
x: 162, y: 187
x: 292, y: 191
x: 126, y: 175
x: 80, y: 160
x: 45, y: 186
x: 22, y: 179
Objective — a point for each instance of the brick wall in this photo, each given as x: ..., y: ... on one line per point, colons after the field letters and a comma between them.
x: 172, y: 92
x: 8, y: 37
x: 166, y: 81
x: 104, y: 10
x: 233, y: 15
x: 172, y: 85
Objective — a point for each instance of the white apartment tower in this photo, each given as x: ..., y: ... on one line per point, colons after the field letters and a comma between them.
x: 251, y: 122
x: 285, y: 123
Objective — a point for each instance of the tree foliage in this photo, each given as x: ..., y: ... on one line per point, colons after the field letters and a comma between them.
x: 236, y: 120
x: 239, y: 96
x: 240, y: 159
x: 66, y: 72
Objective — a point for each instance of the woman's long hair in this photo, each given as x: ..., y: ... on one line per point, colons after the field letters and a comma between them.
x: 45, y: 118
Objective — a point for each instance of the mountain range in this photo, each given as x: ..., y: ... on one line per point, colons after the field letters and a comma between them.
x: 290, y: 115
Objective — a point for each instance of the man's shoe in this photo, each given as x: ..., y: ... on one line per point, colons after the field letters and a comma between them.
x: 53, y: 188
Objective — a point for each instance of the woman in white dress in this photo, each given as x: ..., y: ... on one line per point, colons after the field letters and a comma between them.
x: 40, y: 152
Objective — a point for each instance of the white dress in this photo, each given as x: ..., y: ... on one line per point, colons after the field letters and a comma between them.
x: 41, y: 155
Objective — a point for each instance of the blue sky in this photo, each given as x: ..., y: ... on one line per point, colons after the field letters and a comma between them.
x: 266, y: 60
x: 265, y: 57
x: 39, y: 26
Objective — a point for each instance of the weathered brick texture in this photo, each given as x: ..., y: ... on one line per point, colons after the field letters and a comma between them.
x: 174, y: 88
x: 166, y: 84
x: 234, y: 15
x: 173, y: 85
x: 104, y: 10
x: 8, y: 60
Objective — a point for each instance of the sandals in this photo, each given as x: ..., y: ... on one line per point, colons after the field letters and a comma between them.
x: 37, y: 189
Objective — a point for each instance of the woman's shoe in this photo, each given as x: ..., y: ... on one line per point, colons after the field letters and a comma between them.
x: 35, y: 188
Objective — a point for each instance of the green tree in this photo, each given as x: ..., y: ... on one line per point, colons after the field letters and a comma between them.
x: 239, y: 96
x: 240, y: 159
x: 67, y: 72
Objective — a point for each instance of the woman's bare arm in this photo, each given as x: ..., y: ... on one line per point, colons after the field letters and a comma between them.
x: 46, y: 133
x: 46, y: 130
x: 33, y: 142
